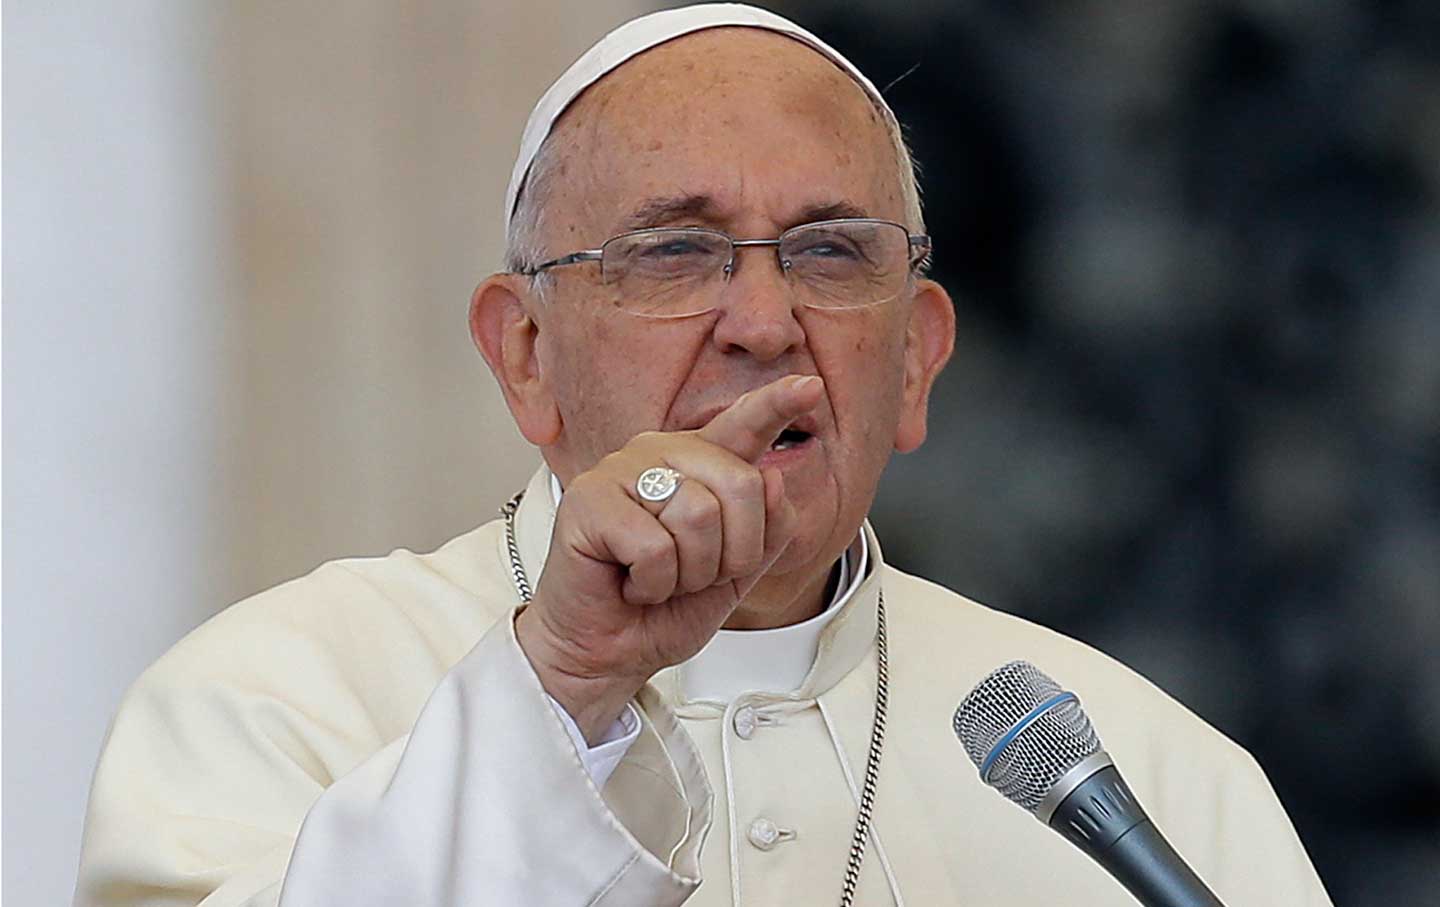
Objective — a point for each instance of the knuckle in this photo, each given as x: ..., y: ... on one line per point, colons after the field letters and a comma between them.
x: 746, y: 560
x: 582, y: 483
x: 744, y: 566
x: 658, y: 593
x: 611, y: 465
x: 696, y: 581
x: 646, y: 440
x: 642, y: 591
x: 701, y: 515
x: 654, y: 551
x: 745, y: 485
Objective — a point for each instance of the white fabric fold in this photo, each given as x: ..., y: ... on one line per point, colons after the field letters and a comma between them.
x: 449, y: 815
x: 601, y: 758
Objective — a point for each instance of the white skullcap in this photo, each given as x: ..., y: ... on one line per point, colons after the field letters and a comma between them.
x: 639, y: 35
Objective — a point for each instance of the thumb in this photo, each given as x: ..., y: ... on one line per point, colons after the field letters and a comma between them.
x: 751, y: 424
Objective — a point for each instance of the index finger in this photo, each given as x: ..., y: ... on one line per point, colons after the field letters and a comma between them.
x: 751, y: 424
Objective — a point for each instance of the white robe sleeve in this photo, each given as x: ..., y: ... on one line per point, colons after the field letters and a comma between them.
x: 603, y: 758
x: 486, y: 801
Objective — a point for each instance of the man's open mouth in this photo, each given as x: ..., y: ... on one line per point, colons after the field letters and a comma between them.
x: 790, y: 437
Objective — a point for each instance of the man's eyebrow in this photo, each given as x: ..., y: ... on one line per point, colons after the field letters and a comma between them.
x: 657, y: 212
x: 664, y: 210
x: 830, y: 211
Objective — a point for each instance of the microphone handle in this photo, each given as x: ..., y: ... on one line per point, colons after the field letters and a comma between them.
x: 1102, y: 817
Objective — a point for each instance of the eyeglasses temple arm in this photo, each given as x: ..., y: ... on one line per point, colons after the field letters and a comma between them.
x: 920, y: 241
x: 562, y: 261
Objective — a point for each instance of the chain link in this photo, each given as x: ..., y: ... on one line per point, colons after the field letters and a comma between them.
x: 872, y: 760
x: 861, y: 839
x: 517, y: 568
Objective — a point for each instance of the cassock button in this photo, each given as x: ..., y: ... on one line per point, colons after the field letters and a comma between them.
x: 745, y: 722
x: 765, y: 834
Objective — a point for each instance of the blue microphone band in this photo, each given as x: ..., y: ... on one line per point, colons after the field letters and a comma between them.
x: 1030, y: 718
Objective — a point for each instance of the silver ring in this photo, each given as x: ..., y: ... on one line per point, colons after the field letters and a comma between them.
x: 658, y: 483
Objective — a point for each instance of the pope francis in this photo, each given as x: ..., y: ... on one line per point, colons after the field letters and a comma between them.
x: 678, y: 668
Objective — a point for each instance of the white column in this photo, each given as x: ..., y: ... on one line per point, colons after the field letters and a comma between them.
x: 116, y: 280
x: 239, y: 241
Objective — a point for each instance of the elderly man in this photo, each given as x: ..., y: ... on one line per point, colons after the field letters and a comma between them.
x: 678, y: 670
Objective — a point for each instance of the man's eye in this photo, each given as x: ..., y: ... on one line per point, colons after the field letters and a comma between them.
x: 673, y: 249
x: 829, y: 249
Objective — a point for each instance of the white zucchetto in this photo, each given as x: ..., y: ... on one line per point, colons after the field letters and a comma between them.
x: 638, y: 36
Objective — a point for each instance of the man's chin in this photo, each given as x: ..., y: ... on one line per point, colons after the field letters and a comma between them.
x: 792, y: 560
x: 809, y: 557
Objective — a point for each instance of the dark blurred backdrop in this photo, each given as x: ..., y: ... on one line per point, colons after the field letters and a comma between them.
x: 1192, y: 414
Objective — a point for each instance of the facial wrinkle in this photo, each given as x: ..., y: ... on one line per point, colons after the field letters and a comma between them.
x: 702, y: 339
x: 666, y: 210
x: 811, y: 320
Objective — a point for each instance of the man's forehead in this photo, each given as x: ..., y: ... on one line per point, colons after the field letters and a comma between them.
x: 712, y: 83
x: 669, y: 169
x: 699, y: 72
x: 671, y: 136
x: 654, y: 31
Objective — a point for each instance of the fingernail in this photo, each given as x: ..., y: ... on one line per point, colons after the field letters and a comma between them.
x: 807, y: 382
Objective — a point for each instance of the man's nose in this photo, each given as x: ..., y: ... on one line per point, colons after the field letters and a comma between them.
x: 757, y: 308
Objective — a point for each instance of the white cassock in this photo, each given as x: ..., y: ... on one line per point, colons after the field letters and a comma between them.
x: 371, y: 734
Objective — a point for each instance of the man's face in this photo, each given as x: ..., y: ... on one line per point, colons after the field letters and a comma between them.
x: 750, y: 133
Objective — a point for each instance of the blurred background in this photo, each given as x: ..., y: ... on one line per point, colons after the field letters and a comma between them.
x: 1193, y: 417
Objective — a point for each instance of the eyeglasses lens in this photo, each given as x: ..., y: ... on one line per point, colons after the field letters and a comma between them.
x: 676, y: 272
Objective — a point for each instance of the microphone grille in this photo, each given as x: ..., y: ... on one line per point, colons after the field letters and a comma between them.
x: 1054, y: 741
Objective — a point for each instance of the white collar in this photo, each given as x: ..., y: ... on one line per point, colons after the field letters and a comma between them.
x: 775, y: 661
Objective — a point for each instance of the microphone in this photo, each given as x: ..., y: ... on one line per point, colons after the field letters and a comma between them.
x: 1033, y: 743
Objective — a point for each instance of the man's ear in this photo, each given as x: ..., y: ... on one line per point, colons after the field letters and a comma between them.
x: 929, y: 340
x: 507, y: 336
